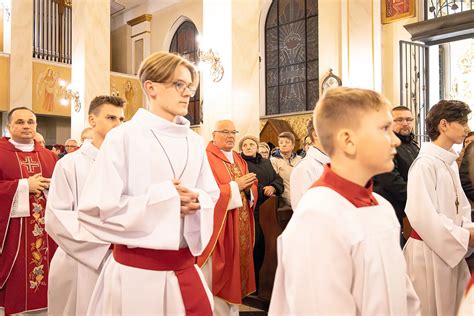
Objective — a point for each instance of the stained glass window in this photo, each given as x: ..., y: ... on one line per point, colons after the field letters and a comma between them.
x: 184, y: 43
x: 291, y: 56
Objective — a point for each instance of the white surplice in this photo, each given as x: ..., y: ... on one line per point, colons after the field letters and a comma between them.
x: 130, y: 199
x: 305, y: 173
x: 336, y: 259
x: 76, y: 264
x: 436, y: 265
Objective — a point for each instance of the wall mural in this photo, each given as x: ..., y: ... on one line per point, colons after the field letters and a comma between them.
x: 130, y: 90
x: 47, y: 92
x: 4, y: 83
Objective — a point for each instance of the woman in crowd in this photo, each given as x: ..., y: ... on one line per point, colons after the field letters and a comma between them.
x: 269, y: 183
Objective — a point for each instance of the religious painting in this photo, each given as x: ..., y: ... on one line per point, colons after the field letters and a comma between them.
x: 47, y: 92
x: 4, y: 83
x: 129, y: 89
x: 393, y: 10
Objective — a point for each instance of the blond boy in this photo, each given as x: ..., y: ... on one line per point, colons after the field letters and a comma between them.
x: 340, y: 255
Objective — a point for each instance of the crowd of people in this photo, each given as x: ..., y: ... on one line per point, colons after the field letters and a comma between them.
x: 144, y: 218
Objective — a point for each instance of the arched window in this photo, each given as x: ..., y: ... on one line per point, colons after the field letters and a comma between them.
x: 291, y: 56
x: 184, y: 43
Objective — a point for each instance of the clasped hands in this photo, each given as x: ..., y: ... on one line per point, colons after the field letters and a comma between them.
x: 37, y: 184
x: 246, y: 181
x: 189, y: 199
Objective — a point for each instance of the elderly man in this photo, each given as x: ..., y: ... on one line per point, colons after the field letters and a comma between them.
x: 40, y: 139
x: 87, y: 133
x: 227, y: 261
x: 70, y: 145
x: 393, y: 185
x: 25, y: 248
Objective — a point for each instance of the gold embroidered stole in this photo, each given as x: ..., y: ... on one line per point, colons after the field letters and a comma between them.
x: 245, y: 238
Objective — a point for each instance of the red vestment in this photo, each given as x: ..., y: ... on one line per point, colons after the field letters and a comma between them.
x: 231, y: 244
x: 25, y: 248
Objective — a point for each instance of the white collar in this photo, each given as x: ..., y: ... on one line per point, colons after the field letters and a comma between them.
x: 145, y: 118
x: 448, y: 156
x: 229, y: 155
x: 88, y: 149
x: 318, y: 155
x: 23, y: 147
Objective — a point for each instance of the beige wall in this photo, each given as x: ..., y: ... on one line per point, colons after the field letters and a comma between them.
x: 391, y: 35
x: 163, y: 21
x: 1, y: 29
x: 4, y: 83
x: 120, y: 49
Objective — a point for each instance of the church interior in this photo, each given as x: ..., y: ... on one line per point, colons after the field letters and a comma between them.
x: 262, y: 63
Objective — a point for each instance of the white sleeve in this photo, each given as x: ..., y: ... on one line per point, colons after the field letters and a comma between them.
x: 446, y: 239
x: 21, y: 201
x: 235, y: 200
x: 199, y: 226
x: 62, y: 223
x: 300, y: 181
x: 313, y: 277
x: 149, y: 220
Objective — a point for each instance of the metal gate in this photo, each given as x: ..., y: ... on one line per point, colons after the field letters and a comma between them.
x: 414, y: 84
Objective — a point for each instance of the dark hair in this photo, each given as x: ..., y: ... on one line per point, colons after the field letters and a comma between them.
x: 401, y: 108
x: 10, y: 114
x: 288, y: 135
x: 449, y: 110
x: 467, y: 136
x: 100, y: 100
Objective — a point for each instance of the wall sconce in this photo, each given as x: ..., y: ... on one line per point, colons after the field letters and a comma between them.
x: 69, y: 94
x: 213, y: 58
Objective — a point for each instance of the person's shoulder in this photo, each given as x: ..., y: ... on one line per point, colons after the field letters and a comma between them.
x: 325, y: 200
x: 195, y: 137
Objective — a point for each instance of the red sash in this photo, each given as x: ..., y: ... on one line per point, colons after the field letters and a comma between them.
x: 415, y: 235
x: 195, y: 299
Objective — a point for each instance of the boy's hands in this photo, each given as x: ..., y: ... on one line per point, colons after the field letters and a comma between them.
x: 189, y: 199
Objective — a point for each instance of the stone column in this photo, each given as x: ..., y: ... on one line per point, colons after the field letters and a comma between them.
x: 231, y: 29
x: 90, y: 56
x: 18, y: 23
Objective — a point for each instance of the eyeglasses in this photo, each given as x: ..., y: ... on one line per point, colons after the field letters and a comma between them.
x: 181, y: 86
x: 401, y: 119
x: 227, y: 133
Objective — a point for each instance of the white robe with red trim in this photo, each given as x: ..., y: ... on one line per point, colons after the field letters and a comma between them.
x: 130, y: 199
x: 336, y: 259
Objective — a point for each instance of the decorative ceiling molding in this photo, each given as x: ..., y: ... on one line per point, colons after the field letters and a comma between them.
x: 444, y: 29
x: 140, y: 19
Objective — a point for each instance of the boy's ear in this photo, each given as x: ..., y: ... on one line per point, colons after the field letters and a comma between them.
x: 149, y: 89
x: 91, y: 119
x: 442, y: 126
x: 345, y: 140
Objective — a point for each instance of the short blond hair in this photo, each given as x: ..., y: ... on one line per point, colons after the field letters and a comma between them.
x: 161, y: 66
x: 343, y: 107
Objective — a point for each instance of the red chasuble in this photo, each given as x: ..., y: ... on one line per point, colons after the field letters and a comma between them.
x: 354, y: 193
x: 231, y: 244
x: 25, y: 248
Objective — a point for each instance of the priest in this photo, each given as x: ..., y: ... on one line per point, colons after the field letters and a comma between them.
x: 76, y: 264
x: 228, y: 259
x: 25, y: 247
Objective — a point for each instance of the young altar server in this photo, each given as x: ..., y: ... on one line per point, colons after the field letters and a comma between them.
x: 76, y: 264
x: 340, y: 253
x: 152, y: 193
x: 439, y: 213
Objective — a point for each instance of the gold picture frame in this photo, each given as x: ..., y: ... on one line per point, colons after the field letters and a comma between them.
x: 394, y: 10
